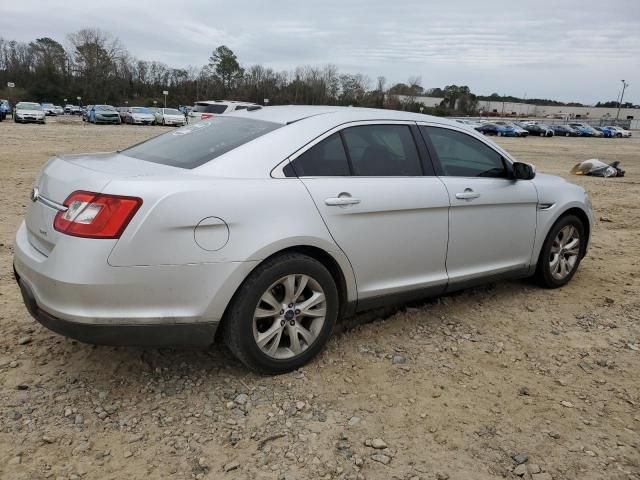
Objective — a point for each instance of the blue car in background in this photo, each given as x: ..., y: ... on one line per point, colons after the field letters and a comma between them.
x: 103, y: 114
x: 606, y: 132
x: 586, y: 130
x: 498, y: 130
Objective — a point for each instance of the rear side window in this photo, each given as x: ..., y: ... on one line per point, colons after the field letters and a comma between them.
x: 197, y: 144
x: 207, y: 108
x: 325, y: 159
x: 461, y: 155
x: 382, y: 151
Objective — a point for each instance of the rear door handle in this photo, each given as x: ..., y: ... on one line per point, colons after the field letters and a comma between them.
x: 468, y: 194
x: 341, y: 201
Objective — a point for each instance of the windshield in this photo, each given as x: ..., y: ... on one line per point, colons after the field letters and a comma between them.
x: 105, y: 108
x: 206, y: 108
x: 172, y: 111
x: 46, y: 105
x: 28, y: 106
x: 195, y: 145
x: 140, y: 110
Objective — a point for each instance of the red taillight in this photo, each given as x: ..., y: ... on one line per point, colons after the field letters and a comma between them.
x: 96, y: 215
x: 206, y: 115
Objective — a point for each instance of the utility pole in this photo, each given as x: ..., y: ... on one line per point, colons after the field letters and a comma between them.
x: 624, y: 86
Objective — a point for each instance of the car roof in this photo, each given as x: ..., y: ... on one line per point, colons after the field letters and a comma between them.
x: 222, y: 102
x: 287, y: 114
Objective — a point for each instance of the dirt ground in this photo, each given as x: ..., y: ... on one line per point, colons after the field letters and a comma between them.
x: 491, y: 376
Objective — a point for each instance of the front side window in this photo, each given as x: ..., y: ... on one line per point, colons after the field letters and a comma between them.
x: 461, y: 155
x: 325, y: 159
x: 197, y: 144
x: 382, y: 151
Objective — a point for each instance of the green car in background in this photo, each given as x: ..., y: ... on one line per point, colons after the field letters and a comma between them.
x: 103, y: 114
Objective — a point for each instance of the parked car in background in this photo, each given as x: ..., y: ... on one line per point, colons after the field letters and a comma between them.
x: 122, y: 111
x: 58, y: 109
x: 49, y: 109
x: 85, y: 112
x: 498, y: 130
x: 520, y: 132
x: 210, y: 108
x: 539, y: 129
x: 173, y: 238
x: 619, y: 132
x: 26, y: 112
x: 564, y: 131
x: 72, y: 109
x: 104, y: 114
x: 585, y: 129
x: 606, y: 132
x: 138, y: 116
x: 170, y: 116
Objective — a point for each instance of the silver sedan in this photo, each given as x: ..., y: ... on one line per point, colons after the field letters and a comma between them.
x: 270, y: 225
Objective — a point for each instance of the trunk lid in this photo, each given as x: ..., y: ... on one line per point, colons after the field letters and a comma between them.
x: 65, y: 174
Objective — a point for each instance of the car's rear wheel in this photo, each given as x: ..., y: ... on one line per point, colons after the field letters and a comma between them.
x: 561, y: 252
x: 282, y: 315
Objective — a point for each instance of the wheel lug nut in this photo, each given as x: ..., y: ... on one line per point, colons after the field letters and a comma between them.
x: 290, y: 305
x: 292, y: 323
x: 281, y: 312
x: 297, y: 312
x: 282, y: 323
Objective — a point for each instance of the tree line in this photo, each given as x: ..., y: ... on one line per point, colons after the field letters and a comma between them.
x: 96, y: 66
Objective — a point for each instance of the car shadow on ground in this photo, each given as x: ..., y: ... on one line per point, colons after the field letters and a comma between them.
x: 135, y: 365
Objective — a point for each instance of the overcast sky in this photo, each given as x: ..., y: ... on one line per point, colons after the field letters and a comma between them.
x: 560, y: 49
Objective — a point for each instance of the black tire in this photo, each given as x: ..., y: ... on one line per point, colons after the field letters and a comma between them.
x: 543, y: 274
x: 237, y: 325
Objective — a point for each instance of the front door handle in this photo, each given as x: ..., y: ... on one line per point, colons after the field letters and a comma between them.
x: 341, y: 200
x: 468, y: 194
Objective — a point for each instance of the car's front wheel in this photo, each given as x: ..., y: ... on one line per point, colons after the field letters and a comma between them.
x: 283, y: 314
x: 561, y: 252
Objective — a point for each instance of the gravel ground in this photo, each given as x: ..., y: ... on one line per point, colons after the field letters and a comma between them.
x: 504, y: 381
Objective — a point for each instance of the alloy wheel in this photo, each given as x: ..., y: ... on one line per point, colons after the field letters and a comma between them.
x: 564, y: 252
x: 289, y: 316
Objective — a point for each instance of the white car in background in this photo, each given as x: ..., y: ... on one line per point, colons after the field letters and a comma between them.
x: 619, y: 132
x: 210, y: 108
x: 29, y: 112
x: 170, y: 116
x: 272, y: 224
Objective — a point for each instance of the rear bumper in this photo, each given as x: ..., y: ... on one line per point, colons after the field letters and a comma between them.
x: 141, y: 305
x: 184, y: 334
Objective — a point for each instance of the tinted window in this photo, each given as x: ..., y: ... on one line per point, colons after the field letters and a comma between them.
x: 461, y: 155
x: 206, y: 108
x: 325, y: 159
x: 195, y: 145
x: 382, y: 151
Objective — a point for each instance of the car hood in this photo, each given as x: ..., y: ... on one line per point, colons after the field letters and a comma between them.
x: 22, y: 111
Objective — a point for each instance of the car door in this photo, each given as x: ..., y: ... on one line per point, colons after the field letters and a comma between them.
x: 377, y: 193
x: 492, y: 219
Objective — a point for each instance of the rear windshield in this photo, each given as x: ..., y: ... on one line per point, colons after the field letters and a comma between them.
x: 195, y: 145
x: 206, y: 108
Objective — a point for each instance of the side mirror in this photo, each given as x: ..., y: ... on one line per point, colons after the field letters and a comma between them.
x: 523, y: 171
